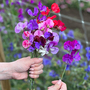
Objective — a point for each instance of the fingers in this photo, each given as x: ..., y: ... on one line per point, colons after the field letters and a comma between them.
x: 36, y: 60
x: 54, y: 82
x: 64, y: 86
x: 39, y: 67
x: 57, y: 86
x: 36, y: 72
x: 34, y: 76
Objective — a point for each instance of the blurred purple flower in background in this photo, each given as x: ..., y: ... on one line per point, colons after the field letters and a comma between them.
x: 47, y: 61
x: 62, y: 35
x: 70, y: 34
x: 53, y: 74
x: 41, y: 7
x: 29, y: 11
x: 86, y: 77
x: 83, y: 64
x: 88, y: 69
x: 67, y: 67
x: 7, y: 2
x: 1, y: 18
x: 59, y: 62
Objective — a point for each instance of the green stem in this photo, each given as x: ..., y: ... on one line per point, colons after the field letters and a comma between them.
x: 63, y: 72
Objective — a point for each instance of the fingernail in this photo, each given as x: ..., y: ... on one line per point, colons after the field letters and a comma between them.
x: 40, y: 58
x: 31, y: 68
x: 31, y: 72
x: 32, y: 65
x: 31, y: 75
x: 59, y: 82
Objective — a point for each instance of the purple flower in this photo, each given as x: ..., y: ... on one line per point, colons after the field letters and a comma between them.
x: 67, y: 58
x: 21, y: 17
x: 67, y: 67
x: 19, y: 55
x: 63, y: 35
x: 46, y: 61
x: 20, y: 11
x: 76, y: 45
x: 86, y: 77
x: 83, y: 64
x: 7, y: 2
x: 59, y: 62
x: 47, y: 35
x: 68, y: 46
x: 23, y: 36
x: 31, y: 38
x: 77, y: 57
x: 11, y: 47
x: 32, y: 25
x: 1, y: 18
x: 88, y: 56
x: 43, y: 18
x: 88, y: 69
x: 32, y: 1
x: 19, y: 27
x: 88, y: 49
x: 70, y: 34
x: 52, y: 73
x: 52, y: 48
x: 41, y: 7
x: 37, y: 45
x: 31, y: 49
x: 29, y: 11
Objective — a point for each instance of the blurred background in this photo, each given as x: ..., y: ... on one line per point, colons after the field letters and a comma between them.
x: 76, y: 16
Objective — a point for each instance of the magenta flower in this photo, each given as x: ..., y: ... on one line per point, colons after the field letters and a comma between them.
x: 27, y: 33
x: 29, y: 11
x: 67, y: 58
x: 41, y: 7
x: 72, y: 47
x: 26, y: 44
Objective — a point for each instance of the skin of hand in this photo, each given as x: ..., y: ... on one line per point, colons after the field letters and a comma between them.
x: 58, y: 85
x: 19, y: 68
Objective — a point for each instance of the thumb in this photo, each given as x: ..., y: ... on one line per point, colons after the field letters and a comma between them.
x: 58, y: 85
x: 36, y: 60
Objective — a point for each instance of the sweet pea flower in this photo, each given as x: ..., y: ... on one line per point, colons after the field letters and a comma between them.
x: 32, y: 25
x: 19, y: 27
x: 38, y: 33
x: 43, y: 18
x: 41, y: 7
x: 1, y: 18
x: 26, y: 44
x: 27, y: 33
x: 29, y: 11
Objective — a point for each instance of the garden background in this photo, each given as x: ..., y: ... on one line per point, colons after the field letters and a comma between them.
x: 76, y: 16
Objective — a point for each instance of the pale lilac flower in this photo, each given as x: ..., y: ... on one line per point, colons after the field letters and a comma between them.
x: 88, y: 9
x: 38, y: 33
x: 63, y: 6
x: 19, y: 27
x: 81, y: 4
x: 69, y: 1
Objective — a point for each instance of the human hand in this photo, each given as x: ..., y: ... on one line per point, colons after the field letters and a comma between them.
x: 20, y: 68
x: 58, y: 85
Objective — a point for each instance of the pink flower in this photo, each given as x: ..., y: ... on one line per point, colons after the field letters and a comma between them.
x: 27, y: 33
x: 81, y: 4
x: 63, y: 6
x: 26, y: 44
x: 88, y: 9
x: 49, y: 23
x: 38, y: 33
x: 68, y: 1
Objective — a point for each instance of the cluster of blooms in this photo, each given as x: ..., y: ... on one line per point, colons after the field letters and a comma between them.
x: 38, y: 33
x: 72, y: 47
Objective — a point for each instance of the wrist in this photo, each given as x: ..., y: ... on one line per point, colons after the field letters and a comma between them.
x: 5, y: 71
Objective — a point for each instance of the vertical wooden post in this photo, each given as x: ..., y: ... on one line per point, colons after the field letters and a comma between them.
x: 5, y: 83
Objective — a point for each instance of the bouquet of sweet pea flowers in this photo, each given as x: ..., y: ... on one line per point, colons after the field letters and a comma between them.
x: 38, y: 34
